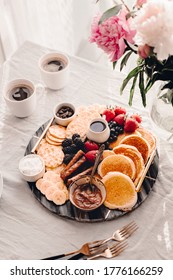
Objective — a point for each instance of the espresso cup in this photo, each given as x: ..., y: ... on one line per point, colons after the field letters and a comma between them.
x: 54, y: 70
x: 20, y: 97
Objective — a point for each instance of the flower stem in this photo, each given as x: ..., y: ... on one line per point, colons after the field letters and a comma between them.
x: 127, y: 44
x: 122, y: 1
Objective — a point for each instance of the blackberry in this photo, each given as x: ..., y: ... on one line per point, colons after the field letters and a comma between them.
x: 76, y: 135
x: 67, y: 150
x: 67, y: 158
x: 79, y: 144
x: 73, y: 148
x: 67, y: 142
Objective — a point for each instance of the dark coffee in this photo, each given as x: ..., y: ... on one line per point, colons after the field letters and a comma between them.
x: 20, y: 93
x: 54, y: 65
x: 97, y: 126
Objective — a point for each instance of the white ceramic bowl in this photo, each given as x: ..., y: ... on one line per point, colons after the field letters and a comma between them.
x: 65, y: 121
x: 84, y: 180
x: 98, y: 136
x: 58, y: 79
x: 31, y: 167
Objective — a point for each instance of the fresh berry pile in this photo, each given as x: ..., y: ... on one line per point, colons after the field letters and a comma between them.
x: 118, y: 122
x: 71, y: 146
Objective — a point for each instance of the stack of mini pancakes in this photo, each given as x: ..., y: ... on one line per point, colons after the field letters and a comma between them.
x: 122, y: 167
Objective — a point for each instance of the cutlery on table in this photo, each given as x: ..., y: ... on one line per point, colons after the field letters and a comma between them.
x: 87, y: 249
x: 122, y: 233
x: 91, y: 248
x: 119, y: 235
x: 112, y: 251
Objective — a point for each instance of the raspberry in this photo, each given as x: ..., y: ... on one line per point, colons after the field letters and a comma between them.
x: 89, y: 146
x: 91, y: 155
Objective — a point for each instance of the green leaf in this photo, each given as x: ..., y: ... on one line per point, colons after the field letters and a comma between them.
x: 110, y: 13
x: 141, y: 87
x: 132, y: 74
x: 114, y: 64
x: 125, y: 59
x: 132, y: 90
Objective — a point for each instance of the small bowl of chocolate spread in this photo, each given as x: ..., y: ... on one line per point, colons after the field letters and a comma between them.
x: 64, y: 113
x: 85, y: 197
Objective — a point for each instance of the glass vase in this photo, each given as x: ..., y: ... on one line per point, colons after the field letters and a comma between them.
x: 162, y: 113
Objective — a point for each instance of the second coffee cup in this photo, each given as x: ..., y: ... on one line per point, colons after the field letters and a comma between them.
x: 54, y: 69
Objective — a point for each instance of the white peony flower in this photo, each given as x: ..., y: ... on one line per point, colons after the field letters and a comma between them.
x: 154, y: 26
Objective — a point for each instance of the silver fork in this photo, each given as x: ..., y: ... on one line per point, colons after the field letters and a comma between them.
x: 112, y: 251
x: 122, y: 233
x: 87, y: 249
x: 119, y: 235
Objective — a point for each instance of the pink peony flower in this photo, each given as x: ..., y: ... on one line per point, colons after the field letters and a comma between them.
x: 144, y: 51
x: 139, y: 3
x: 110, y: 35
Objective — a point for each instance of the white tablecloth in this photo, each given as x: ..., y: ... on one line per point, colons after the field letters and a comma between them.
x: 30, y: 231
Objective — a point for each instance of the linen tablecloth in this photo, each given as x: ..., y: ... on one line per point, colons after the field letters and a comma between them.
x: 30, y: 231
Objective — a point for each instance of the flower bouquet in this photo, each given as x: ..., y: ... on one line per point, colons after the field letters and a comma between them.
x: 147, y: 31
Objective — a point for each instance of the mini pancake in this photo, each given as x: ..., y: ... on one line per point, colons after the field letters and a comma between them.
x: 147, y: 135
x: 107, y: 153
x: 120, y: 191
x: 119, y: 163
x: 135, y: 155
x: 121, y: 137
x: 140, y: 143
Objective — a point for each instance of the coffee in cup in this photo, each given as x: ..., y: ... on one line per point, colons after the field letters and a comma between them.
x: 54, y: 70
x: 20, y: 97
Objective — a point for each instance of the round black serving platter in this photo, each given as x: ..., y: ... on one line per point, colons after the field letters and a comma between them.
x: 102, y: 213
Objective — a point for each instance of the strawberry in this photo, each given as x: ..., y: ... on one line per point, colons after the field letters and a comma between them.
x: 90, y: 146
x: 137, y: 118
x: 119, y: 110
x: 109, y: 114
x: 130, y: 125
x: 120, y: 119
x: 91, y: 155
